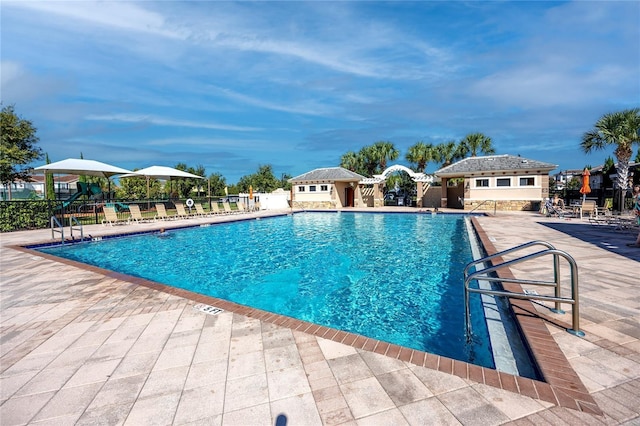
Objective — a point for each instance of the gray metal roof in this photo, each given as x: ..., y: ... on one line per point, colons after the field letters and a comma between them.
x: 328, y: 174
x: 493, y: 163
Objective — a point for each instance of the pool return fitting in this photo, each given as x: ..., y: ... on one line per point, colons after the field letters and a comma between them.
x: 488, y: 274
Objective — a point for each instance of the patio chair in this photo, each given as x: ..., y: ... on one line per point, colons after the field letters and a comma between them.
x: 555, y: 210
x: 241, y: 207
x: 607, y: 207
x: 181, y: 212
x: 136, y: 214
x: 161, y: 212
x: 200, y: 210
x: 111, y: 217
x: 588, y: 207
x: 227, y: 208
x: 215, y: 209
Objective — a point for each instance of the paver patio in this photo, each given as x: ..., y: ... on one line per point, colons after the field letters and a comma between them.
x: 78, y: 346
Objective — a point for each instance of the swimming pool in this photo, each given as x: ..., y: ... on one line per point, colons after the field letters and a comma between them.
x: 392, y: 277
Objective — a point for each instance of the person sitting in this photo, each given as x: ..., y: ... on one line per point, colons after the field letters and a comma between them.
x: 552, y: 207
x: 558, y: 202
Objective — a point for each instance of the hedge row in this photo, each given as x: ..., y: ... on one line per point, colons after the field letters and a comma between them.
x: 21, y: 215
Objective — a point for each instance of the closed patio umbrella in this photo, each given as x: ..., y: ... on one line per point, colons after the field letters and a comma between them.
x: 585, y: 189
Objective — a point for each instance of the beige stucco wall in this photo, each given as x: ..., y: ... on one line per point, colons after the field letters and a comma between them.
x: 503, y: 205
x: 514, y: 197
x: 431, y: 198
x: 335, y: 198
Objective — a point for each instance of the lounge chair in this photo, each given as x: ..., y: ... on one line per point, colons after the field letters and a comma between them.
x: 136, y: 214
x: 215, y: 209
x: 161, y: 212
x: 256, y: 206
x: 607, y: 207
x: 227, y: 208
x: 588, y: 207
x: 557, y: 211
x: 241, y: 207
x: 111, y: 217
x: 181, y: 212
x: 200, y: 211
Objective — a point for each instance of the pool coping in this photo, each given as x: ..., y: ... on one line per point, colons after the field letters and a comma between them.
x: 561, y: 385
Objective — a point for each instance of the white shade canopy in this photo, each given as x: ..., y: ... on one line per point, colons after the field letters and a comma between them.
x: 162, y: 172
x: 78, y: 166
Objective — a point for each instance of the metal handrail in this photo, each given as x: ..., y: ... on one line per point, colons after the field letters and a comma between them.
x: 557, y: 298
x: 78, y: 227
x: 495, y: 206
x: 556, y: 267
x: 56, y: 222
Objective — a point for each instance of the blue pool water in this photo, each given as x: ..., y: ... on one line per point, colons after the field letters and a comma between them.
x: 393, y: 277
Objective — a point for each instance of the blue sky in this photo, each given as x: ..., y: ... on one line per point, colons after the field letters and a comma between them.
x: 232, y: 86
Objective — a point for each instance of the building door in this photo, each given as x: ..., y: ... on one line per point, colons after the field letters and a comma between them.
x: 348, y: 197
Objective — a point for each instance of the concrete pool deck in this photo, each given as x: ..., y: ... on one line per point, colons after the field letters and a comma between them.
x: 78, y: 346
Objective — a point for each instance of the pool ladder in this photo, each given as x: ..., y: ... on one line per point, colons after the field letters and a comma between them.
x: 488, y: 274
x: 74, y: 224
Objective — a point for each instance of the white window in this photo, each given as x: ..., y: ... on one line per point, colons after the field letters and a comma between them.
x: 301, y: 188
x: 324, y: 188
x: 527, y: 181
x: 312, y: 188
x: 503, y: 182
x: 482, y: 183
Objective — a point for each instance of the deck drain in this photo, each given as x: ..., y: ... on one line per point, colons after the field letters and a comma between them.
x: 208, y: 309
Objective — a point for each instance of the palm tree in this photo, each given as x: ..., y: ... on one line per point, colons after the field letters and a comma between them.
x: 383, y: 151
x: 350, y: 161
x: 475, y: 143
x: 446, y: 153
x: 420, y: 154
x: 622, y: 130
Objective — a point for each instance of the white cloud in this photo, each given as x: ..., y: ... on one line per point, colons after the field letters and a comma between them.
x: 309, y: 107
x: 159, y: 121
x: 114, y: 14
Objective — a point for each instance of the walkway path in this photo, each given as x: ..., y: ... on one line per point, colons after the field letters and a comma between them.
x: 81, y: 347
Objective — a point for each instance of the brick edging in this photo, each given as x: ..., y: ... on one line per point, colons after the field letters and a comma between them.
x: 557, y: 372
x: 561, y: 385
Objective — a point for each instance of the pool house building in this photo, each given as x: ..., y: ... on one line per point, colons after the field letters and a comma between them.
x: 503, y: 182
x: 327, y: 188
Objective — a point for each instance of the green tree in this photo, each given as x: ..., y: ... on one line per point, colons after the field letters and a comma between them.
x: 135, y: 188
x: 284, y: 181
x: 383, y: 151
x: 351, y: 161
x: 447, y: 153
x: 420, y: 155
x: 18, y: 147
x: 217, y: 182
x: 574, y: 183
x: 263, y: 180
x: 371, y: 159
x: 475, y: 143
x: 49, y: 184
x: 183, y: 187
x: 621, y: 130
